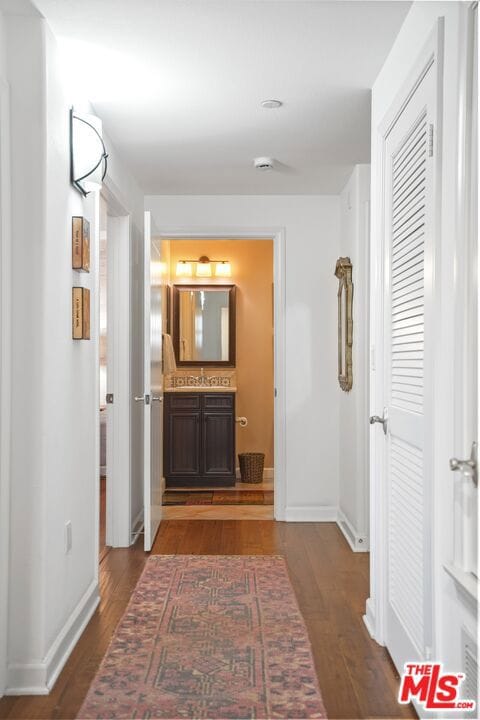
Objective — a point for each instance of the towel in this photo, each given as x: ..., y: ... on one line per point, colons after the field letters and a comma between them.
x: 169, y: 364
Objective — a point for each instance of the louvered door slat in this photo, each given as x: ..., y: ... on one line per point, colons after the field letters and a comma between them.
x: 407, y: 263
x: 411, y: 141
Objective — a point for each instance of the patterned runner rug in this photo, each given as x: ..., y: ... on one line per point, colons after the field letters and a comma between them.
x: 211, y: 636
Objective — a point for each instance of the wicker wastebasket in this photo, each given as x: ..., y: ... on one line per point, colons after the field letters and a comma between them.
x: 251, y: 467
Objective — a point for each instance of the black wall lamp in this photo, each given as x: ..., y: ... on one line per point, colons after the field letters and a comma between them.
x: 88, y: 155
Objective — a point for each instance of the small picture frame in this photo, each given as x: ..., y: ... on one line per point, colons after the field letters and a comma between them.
x: 80, y: 244
x: 80, y: 313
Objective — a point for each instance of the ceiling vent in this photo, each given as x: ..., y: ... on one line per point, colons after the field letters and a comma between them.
x: 264, y: 163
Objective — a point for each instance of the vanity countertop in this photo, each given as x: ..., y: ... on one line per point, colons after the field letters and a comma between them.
x: 201, y: 389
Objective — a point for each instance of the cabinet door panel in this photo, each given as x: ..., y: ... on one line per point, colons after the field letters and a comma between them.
x: 218, y: 443
x: 183, y: 443
x: 218, y: 402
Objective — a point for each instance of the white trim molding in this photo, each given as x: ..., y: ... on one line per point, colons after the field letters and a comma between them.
x: 277, y: 234
x: 369, y: 619
x: 39, y: 678
x: 357, y: 542
x: 5, y: 372
x: 311, y: 513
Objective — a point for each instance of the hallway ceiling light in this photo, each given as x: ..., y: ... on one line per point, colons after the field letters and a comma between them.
x: 203, y: 267
x: 88, y: 156
x: 271, y: 104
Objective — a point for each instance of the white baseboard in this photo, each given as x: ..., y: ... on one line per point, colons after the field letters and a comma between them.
x: 39, y: 678
x: 267, y: 473
x: 358, y: 543
x: 369, y: 618
x: 311, y: 513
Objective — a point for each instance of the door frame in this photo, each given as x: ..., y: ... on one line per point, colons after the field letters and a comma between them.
x: 376, y: 605
x: 118, y: 491
x: 5, y: 373
x: 278, y: 237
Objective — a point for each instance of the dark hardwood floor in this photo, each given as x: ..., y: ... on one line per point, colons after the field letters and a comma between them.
x: 356, y: 676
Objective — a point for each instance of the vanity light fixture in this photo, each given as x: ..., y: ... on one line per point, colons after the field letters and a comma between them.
x: 88, y: 155
x: 203, y: 268
x: 223, y: 269
x: 184, y: 268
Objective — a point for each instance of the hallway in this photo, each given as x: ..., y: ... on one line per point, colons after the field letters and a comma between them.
x: 356, y: 676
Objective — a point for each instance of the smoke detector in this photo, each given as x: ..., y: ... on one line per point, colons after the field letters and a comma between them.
x: 264, y: 163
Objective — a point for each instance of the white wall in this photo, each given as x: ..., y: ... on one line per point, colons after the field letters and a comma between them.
x: 312, y: 232
x: 353, y: 413
x: 452, y: 608
x: 54, y: 419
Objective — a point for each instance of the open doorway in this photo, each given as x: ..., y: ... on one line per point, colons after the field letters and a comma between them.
x: 119, y: 499
x: 221, y: 322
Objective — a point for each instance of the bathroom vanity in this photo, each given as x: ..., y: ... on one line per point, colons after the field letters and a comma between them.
x: 199, y: 419
x: 199, y: 438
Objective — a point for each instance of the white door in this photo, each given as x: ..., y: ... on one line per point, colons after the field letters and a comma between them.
x: 153, y: 387
x: 409, y: 210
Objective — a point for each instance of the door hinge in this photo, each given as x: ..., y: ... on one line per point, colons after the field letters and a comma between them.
x: 430, y: 140
x: 109, y: 399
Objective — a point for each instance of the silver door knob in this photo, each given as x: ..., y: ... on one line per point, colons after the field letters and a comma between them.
x: 382, y: 420
x: 157, y: 399
x: 469, y: 467
x: 142, y: 398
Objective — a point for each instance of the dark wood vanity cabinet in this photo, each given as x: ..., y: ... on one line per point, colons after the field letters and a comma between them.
x: 199, y: 439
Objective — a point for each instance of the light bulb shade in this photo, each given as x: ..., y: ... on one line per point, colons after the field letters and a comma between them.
x: 184, y: 269
x: 204, y: 269
x: 223, y: 269
x: 88, y: 157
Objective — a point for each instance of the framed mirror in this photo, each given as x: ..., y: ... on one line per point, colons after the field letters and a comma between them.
x: 204, y: 325
x: 343, y: 271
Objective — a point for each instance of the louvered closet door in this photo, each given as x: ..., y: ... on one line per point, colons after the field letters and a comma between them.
x: 409, y: 212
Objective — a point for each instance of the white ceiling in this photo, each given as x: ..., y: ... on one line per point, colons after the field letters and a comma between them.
x: 178, y: 84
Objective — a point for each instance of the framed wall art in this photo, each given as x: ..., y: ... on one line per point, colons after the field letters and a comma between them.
x: 80, y: 244
x: 80, y: 313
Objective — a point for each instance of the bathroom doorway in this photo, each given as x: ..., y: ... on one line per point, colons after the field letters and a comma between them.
x: 196, y: 267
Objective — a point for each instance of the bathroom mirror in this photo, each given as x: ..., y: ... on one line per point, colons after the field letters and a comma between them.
x: 343, y: 271
x: 204, y: 324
